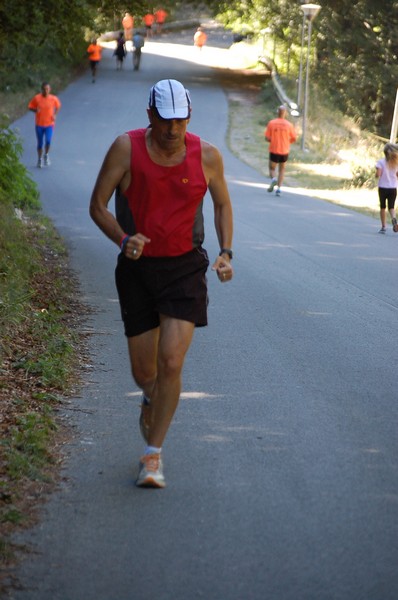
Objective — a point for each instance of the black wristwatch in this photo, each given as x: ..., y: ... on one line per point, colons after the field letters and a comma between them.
x: 227, y: 251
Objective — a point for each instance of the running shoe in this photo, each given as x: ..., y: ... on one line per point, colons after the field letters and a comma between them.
x: 47, y: 161
x: 145, y: 419
x: 40, y: 163
x: 272, y: 185
x: 278, y: 192
x: 151, y: 472
x: 394, y: 225
x: 382, y: 230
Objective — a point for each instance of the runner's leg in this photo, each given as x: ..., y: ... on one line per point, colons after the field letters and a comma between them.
x: 281, y: 173
x: 157, y: 362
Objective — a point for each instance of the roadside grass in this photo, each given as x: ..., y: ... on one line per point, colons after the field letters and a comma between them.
x: 40, y: 351
x: 14, y: 104
x: 26, y: 451
x: 39, y: 364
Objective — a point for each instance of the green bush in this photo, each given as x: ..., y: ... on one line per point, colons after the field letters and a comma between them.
x: 16, y: 186
x: 363, y: 177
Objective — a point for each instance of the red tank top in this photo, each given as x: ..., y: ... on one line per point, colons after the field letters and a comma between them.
x: 166, y: 202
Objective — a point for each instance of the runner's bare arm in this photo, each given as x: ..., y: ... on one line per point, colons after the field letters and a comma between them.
x: 214, y: 172
x: 213, y: 169
x: 115, y: 170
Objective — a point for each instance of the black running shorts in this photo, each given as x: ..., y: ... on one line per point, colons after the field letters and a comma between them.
x: 173, y: 286
x: 387, y: 195
x: 278, y: 158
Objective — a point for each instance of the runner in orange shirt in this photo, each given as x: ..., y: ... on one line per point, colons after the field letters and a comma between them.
x: 94, y: 54
x: 280, y: 133
x: 46, y: 107
x: 148, y: 20
x: 160, y: 17
x: 200, y: 38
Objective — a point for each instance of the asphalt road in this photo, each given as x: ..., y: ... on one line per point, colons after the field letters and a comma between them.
x: 281, y: 465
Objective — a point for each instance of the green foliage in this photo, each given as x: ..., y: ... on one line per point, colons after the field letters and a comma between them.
x: 6, y: 551
x: 355, y: 45
x: 13, y: 515
x: 16, y: 186
x: 38, y: 41
x: 36, y: 354
x: 17, y: 191
x: 33, y: 32
x: 17, y: 265
x: 51, y: 366
x: 26, y: 450
x: 363, y: 177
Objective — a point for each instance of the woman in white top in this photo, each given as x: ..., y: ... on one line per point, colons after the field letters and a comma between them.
x: 387, y: 171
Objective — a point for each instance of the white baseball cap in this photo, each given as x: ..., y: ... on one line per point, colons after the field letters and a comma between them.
x: 171, y: 99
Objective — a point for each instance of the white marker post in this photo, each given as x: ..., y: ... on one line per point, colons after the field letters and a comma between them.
x: 394, y: 126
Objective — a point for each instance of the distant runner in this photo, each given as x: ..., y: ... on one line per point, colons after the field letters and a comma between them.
x: 138, y: 44
x: 148, y: 20
x: 94, y: 54
x: 160, y: 17
x: 387, y: 172
x: 46, y: 106
x: 280, y: 133
x: 200, y: 38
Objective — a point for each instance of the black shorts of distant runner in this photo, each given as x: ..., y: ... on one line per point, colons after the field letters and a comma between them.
x: 389, y: 195
x: 278, y: 158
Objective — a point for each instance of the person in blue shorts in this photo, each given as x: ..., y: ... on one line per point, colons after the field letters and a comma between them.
x: 46, y: 107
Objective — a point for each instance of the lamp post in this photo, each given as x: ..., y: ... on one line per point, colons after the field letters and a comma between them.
x: 300, y: 77
x: 310, y: 12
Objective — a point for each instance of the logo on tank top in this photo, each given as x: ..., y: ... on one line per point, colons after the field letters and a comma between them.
x: 184, y: 180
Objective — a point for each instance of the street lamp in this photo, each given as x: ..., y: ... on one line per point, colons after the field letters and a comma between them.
x: 300, y: 77
x: 310, y: 12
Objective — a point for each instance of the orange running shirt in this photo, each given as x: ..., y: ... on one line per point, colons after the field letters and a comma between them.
x: 200, y: 38
x: 94, y: 51
x: 128, y: 22
x: 160, y: 16
x: 148, y: 20
x: 281, y: 133
x: 45, y: 107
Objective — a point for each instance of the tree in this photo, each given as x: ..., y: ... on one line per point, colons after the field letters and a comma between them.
x: 357, y: 46
x: 34, y: 34
x: 356, y: 43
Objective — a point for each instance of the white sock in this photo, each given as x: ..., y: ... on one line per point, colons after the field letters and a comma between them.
x: 152, y: 450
